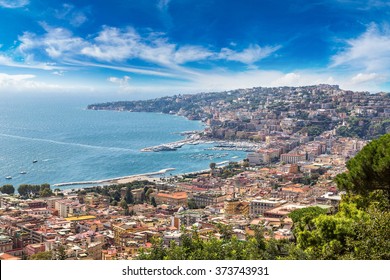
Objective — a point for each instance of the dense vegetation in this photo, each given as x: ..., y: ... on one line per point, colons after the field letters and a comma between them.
x: 362, y: 127
x: 228, y: 247
x: 113, y: 192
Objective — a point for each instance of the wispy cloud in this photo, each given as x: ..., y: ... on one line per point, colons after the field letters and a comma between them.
x: 13, y: 4
x: 55, y: 43
x: 7, y: 61
x: 27, y: 83
x: 249, y: 55
x: 76, y: 17
x: 113, y: 44
x: 23, y: 82
x: 123, y: 83
x: 163, y: 4
x: 368, y: 52
x: 127, y: 68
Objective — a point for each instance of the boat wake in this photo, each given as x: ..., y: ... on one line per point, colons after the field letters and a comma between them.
x: 69, y: 143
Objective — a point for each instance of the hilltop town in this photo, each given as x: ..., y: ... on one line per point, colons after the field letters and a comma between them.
x: 300, y: 139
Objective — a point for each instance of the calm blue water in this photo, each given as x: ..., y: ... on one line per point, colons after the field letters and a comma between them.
x: 74, y: 144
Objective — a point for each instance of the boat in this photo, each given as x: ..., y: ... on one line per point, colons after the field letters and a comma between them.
x: 23, y: 172
x: 35, y: 161
x: 8, y: 177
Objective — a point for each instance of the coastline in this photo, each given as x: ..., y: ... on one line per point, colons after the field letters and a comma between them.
x: 132, y: 178
x: 190, y: 138
x: 118, y: 180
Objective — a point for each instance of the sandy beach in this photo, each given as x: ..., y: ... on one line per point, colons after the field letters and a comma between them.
x: 120, y: 180
x: 134, y: 178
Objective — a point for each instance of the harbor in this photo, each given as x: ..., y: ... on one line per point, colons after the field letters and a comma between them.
x: 244, y: 146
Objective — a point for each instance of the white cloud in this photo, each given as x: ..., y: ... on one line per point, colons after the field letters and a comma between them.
x: 113, y: 44
x: 78, y: 18
x: 366, y: 77
x: 115, y: 47
x: 120, y: 81
x: 288, y: 79
x: 191, y: 53
x: 58, y: 73
x: 28, y: 64
x: 68, y: 12
x: 123, y: 83
x: 56, y: 42
x: 13, y: 4
x: 369, y: 52
x: 128, y: 69
x: 29, y: 83
x: 249, y: 55
x: 23, y: 82
x: 4, y: 60
x: 5, y: 78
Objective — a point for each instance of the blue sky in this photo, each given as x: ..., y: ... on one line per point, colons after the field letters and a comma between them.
x: 141, y: 49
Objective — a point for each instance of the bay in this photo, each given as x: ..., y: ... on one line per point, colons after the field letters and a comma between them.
x: 71, y: 143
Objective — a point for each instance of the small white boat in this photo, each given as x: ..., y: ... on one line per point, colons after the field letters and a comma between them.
x: 35, y: 161
x: 23, y: 172
x: 8, y: 177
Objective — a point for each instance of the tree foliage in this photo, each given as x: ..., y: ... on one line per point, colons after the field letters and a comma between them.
x: 358, y: 231
x: 43, y: 190
x: 7, y: 189
x: 41, y: 256
x: 193, y: 247
x: 303, y: 218
x: 153, y: 202
x: 129, y: 196
x: 369, y: 170
x: 60, y: 253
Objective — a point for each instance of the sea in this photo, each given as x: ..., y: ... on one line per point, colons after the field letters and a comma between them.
x: 56, y: 140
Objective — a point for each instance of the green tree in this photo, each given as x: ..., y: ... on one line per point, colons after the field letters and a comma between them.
x: 129, y: 196
x: 123, y: 204
x: 369, y: 170
x: 148, y: 192
x: 8, y: 189
x: 192, y: 204
x: 226, y: 231
x: 153, y: 202
x: 303, y: 218
x: 61, y: 253
x: 35, y: 189
x: 23, y: 190
x: 116, y: 195
x: 41, y: 256
x: 45, y: 192
x: 213, y: 165
x: 371, y: 240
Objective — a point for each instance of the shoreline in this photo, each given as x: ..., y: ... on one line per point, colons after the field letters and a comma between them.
x: 132, y: 178
x: 118, y: 180
x: 190, y: 138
